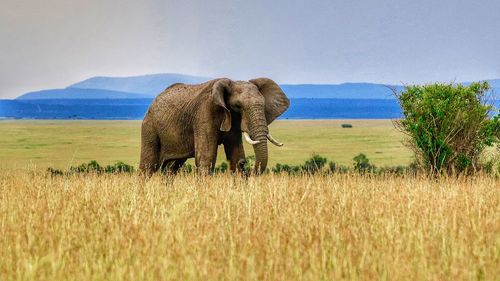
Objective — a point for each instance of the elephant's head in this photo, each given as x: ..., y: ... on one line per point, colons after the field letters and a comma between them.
x: 254, y: 105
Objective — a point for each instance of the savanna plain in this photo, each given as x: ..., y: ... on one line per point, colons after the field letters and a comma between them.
x: 223, y: 227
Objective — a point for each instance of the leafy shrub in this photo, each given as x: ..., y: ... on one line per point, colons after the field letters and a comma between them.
x: 314, y: 164
x: 187, y: 168
x: 448, y: 125
x: 346, y: 125
x: 397, y: 170
x: 55, y: 172
x: 336, y: 168
x: 310, y: 166
x: 222, y: 168
x: 248, y: 164
x: 91, y: 167
x: 285, y: 168
x: 332, y: 166
x: 119, y: 167
x: 362, y: 164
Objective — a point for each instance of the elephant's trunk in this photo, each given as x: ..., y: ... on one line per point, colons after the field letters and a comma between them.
x: 258, y: 132
x: 260, y: 157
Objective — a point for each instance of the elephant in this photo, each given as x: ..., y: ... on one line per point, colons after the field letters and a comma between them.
x: 186, y: 121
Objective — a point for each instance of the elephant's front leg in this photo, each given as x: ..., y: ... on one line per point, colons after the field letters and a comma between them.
x: 205, y: 149
x: 235, y: 153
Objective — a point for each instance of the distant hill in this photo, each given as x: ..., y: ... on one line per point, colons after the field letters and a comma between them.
x: 145, y: 84
x: 75, y: 93
x: 148, y: 86
x: 154, y: 84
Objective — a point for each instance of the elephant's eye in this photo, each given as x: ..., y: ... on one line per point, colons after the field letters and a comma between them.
x: 237, y: 107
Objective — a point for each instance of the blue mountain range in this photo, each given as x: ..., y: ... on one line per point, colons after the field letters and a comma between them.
x: 148, y: 86
x: 77, y: 93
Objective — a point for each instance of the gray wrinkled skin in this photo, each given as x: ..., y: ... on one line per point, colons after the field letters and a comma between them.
x: 187, y: 121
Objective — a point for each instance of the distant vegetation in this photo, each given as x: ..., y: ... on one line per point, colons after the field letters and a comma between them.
x: 317, y: 164
x: 94, y: 167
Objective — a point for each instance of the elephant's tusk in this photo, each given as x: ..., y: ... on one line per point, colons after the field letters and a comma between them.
x: 274, y: 141
x: 250, y: 140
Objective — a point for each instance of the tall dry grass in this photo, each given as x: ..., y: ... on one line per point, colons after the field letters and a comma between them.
x: 121, y: 227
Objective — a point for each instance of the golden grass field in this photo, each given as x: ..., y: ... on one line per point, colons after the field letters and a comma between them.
x: 274, y: 227
x: 61, y: 144
x: 223, y: 227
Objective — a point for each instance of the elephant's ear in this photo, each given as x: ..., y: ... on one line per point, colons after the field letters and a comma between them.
x: 276, y: 101
x: 221, y: 88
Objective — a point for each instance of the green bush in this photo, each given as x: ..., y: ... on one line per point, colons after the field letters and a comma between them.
x: 222, y: 168
x: 346, y: 125
x: 248, y: 164
x: 188, y: 168
x: 314, y: 164
x: 332, y: 166
x: 310, y: 166
x: 397, y: 170
x: 448, y: 125
x: 119, y: 167
x: 285, y: 168
x: 362, y: 164
x: 91, y: 167
x: 336, y: 168
x: 55, y: 172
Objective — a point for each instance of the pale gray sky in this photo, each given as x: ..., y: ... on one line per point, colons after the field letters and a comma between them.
x: 52, y: 43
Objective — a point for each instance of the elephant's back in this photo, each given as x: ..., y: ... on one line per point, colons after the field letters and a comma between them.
x: 179, y: 89
x: 179, y: 94
x: 175, y: 104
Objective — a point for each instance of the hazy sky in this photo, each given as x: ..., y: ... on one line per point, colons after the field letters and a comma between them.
x: 53, y: 43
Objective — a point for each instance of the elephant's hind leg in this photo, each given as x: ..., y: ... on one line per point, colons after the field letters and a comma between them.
x: 150, y: 152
